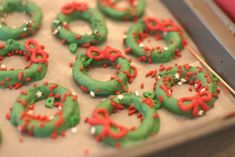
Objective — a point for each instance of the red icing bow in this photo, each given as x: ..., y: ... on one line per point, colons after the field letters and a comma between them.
x: 197, y: 101
x: 74, y: 6
x: 163, y: 26
x: 108, y: 53
x: 38, y: 55
x: 101, y: 117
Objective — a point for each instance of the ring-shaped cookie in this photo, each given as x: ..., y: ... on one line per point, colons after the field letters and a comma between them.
x: 135, y: 9
x: 68, y: 114
x: 79, y: 11
x: 33, y: 53
x: 97, y: 57
x: 27, y: 29
x: 165, y: 29
x: 114, y: 134
x: 203, y: 83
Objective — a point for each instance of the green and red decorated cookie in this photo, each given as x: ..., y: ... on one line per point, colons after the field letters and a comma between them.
x: 79, y: 11
x: 67, y: 113
x: 111, y: 8
x: 28, y: 28
x: 165, y: 30
x: 97, y: 57
x: 105, y: 129
x: 204, y: 84
x: 33, y: 54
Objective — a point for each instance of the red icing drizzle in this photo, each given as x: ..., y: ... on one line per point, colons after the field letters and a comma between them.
x: 153, y: 24
x: 101, y: 117
x: 74, y: 6
x: 36, y: 50
x: 197, y: 101
x: 108, y: 53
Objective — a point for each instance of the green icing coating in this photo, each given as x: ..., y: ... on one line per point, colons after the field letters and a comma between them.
x: 108, y: 131
x: 186, y: 106
x: 68, y: 114
x: 79, y: 11
x: 34, y: 71
x: 135, y: 10
x: 165, y: 30
x: 102, y: 88
x: 27, y: 29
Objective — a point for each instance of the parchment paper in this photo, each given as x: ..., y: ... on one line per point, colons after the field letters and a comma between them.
x: 82, y: 143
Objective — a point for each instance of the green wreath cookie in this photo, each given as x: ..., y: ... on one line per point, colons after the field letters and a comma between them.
x: 109, y: 7
x: 165, y: 30
x: 22, y: 113
x: 33, y: 53
x: 97, y: 57
x: 105, y: 129
x: 27, y: 29
x: 75, y: 11
x: 203, y: 83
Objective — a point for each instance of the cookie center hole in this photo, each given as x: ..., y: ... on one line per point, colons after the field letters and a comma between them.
x: 16, y: 62
x: 152, y: 42
x: 41, y: 109
x: 80, y: 27
x: 100, y: 73
x: 16, y: 19
x: 123, y: 119
x: 183, y: 91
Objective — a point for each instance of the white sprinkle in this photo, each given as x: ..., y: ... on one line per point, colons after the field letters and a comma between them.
x: 28, y: 22
x: 74, y: 130
x: 141, y: 45
x: 203, y: 89
x: 201, y: 112
x: 92, y: 94
x: 180, y: 83
x: 95, y: 31
x: 196, y: 85
x: 103, y: 99
x: 56, y: 21
x: 165, y: 33
x: 0, y: 26
x: 120, y: 97
x: 38, y: 94
x: 124, y: 36
x: 177, y: 76
x: 136, y: 93
x: 3, y: 66
x: 56, y: 30
x: 51, y: 117
x: 183, y: 80
x: 165, y: 48
x: 30, y: 112
x: 60, y: 108
x: 74, y: 94
x: 169, y: 91
x: 25, y: 29
x: 159, y: 77
x: 93, y: 130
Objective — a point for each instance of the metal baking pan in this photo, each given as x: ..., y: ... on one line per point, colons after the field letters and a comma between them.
x: 174, y: 129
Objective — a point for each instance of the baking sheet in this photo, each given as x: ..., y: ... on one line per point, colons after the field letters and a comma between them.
x: 82, y: 143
